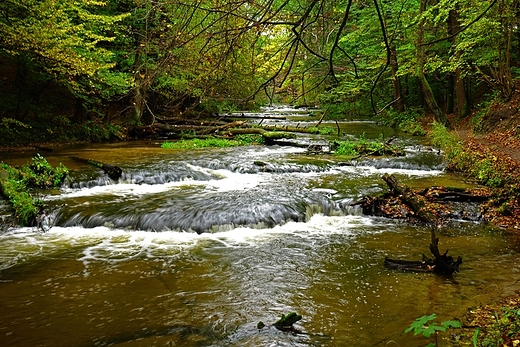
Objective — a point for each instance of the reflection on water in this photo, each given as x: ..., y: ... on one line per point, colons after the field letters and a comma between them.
x: 274, y: 241
x: 140, y: 288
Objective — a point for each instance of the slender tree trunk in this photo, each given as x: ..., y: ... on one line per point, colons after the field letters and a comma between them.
x: 450, y: 94
x: 429, y: 97
x: 80, y: 112
x: 461, y: 105
x: 396, y: 81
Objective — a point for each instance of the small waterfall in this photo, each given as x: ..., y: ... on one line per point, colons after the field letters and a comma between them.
x: 209, y: 212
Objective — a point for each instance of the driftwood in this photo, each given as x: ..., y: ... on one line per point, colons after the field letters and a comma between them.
x: 414, y: 201
x: 452, y: 194
x: 179, y: 129
x: 286, y: 322
x: 430, y: 206
x: 175, y: 131
x: 113, y: 171
x: 441, y: 263
x: 254, y: 116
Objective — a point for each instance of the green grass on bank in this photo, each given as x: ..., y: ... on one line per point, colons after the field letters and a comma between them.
x: 240, y: 140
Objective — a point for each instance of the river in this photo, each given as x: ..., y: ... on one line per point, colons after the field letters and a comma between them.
x: 195, y: 247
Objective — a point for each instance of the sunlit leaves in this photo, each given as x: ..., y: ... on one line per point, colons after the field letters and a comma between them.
x: 61, y: 38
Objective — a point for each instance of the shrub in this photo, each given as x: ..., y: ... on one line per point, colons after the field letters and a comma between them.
x: 16, y: 186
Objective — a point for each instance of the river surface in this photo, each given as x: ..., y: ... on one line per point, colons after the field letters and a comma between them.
x: 195, y: 247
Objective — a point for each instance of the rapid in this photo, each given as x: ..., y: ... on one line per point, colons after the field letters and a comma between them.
x: 195, y: 247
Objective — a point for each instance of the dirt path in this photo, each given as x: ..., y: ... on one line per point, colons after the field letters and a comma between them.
x: 504, y: 145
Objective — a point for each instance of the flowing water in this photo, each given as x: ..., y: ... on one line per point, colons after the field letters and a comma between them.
x: 195, y: 247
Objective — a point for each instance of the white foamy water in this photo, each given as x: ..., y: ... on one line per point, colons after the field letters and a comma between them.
x: 115, y: 245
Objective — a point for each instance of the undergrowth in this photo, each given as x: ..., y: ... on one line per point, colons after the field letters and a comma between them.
x: 484, y: 167
x: 16, y: 185
x: 487, y: 167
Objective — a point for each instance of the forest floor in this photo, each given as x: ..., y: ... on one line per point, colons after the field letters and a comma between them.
x: 501, y: 136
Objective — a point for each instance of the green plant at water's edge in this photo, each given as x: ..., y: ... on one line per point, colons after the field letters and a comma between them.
x: 504, y: 330
x: 240, y: 140
x: 41, y: 174
x: 322, y: 131
x: 15, y: 191
x: 364, y: 146
x: 16, y: 185
x: 483, y: 167
x: 424, y: 326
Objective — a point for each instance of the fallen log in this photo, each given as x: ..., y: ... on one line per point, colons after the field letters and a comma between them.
x: 425, y: 265
x: 113, y: 171
x: 441, y: 264
x: 416, y: 202
x: 454, y: 194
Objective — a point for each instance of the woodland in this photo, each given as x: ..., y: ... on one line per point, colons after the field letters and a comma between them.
x: 92, y: 70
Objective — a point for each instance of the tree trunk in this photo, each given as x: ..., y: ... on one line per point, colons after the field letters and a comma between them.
x: 414, y: 201
x: 80, y: 112
x: 461, y: 105
x: 396, y: 81
x: 450, y: 92
x: 429, y: 97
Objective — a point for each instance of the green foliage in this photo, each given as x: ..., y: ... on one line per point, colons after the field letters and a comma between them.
x: 346, y: 148
x: 504, y: 329
x: 363, y: 146
x: 151, y: 57
x: 41, y: 174
x: 14, y: 189
x: 241, y: 140
x: 322, y: 131
x: 424, y: 326
x: 406, y: 121
x: 327, y: 131
x: 483, y: 107
x: 16, y: 185
x: 55, y: 128
x: 443, y: 138
x: 483, y: 167
x: 64, y: 39
x: 11, y: 130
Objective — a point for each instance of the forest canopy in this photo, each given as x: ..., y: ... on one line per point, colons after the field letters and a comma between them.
x: 82, y: 65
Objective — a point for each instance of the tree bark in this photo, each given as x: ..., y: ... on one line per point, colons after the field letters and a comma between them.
x: 396, y: 81
x: 113, y: 171
x: 461, y: 104
x: 429, y: 97
x: 414, y: 201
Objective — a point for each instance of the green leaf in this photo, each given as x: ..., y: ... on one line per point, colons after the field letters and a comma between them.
x: 451, y: 324
x: 427, y: 331
x: 418, y: 326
